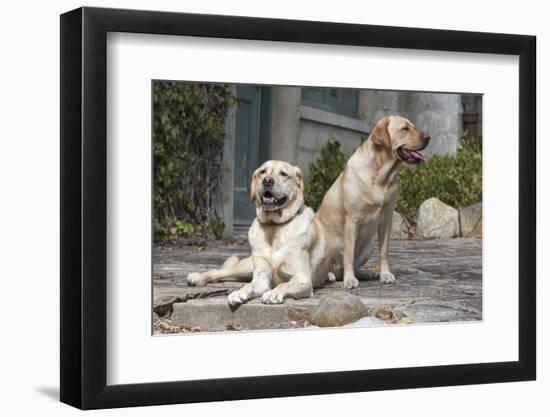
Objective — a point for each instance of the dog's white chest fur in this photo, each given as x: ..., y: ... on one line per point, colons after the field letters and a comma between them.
x: 277, y: 243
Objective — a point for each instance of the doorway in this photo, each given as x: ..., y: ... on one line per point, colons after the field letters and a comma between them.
x: 252, y: 146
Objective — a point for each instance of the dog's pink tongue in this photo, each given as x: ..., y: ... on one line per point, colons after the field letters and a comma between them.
x: 418, y: 155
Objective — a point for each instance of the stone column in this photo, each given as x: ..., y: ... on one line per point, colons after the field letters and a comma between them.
x: 363, y: 104
x: 374, y: 105
x: 285, y: 123
x: 440, y: 116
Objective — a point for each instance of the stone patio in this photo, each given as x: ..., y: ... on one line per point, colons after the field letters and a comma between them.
x: 436, y: 281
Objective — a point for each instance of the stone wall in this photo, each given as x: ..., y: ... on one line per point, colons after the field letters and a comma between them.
x: 318, y: 126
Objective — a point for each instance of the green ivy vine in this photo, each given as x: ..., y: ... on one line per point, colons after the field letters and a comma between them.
x: 188, y: 141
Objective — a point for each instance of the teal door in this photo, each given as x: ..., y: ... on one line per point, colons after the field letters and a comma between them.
x: 252, y: 145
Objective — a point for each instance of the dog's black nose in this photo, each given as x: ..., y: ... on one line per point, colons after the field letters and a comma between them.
x: 268, y: 182
x: 426, y: 139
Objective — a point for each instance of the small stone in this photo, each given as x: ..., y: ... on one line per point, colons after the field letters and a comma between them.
x: 337, y: 309
x: 471, y: 220
x: 437, y: 220
x: 384, y: 313
x: 163, y: 305
x: 389, y: 314
x: 399, y: 228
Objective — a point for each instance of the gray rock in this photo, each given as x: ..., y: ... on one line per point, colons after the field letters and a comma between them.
x: 399, y: 228
x: 471, y: 220
x: 337, y: 309
x: 437, y: 220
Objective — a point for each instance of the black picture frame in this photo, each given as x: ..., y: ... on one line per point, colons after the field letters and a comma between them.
x: 84, y: 207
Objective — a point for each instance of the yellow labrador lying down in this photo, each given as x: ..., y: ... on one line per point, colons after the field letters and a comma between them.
x: 288, y: 248
x: 295, y: 250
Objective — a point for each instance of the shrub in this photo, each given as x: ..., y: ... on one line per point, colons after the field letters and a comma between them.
x: 324, y: 171
x: 188, y: 140
x: 454, y: 179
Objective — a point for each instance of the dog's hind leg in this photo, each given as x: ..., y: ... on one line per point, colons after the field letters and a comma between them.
x: 364, y: 256
x: 361, y: 260
x: 232, y: 269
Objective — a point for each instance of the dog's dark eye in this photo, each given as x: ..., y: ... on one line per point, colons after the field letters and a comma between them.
x: 263, y: 171
x: 405, y: 128
x: 284, y: 174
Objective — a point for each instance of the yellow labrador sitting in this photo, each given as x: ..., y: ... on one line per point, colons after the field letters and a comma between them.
x: 361, y: 201
x: 288, y: 245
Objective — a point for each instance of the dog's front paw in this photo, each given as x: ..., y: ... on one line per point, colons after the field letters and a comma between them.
x: 387, y: 277
x: 272, y: 297
x: 196, y: 279
x: 350, y: 283
x: 236, y: 298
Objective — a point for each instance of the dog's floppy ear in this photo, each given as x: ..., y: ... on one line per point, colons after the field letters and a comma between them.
x: 299, y: 177
x: 253, y: 186
x: 380, y: 135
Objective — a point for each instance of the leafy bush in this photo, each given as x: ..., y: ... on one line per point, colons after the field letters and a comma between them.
x: 454, y: 179
x: 188, y: 140
x: 324, y: 171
